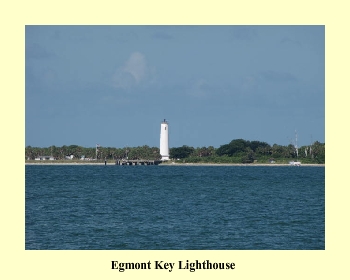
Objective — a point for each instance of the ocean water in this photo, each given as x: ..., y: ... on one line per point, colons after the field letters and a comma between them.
x: 174, y: 207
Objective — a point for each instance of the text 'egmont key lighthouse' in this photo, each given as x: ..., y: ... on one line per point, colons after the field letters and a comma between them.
x: 164, y: 140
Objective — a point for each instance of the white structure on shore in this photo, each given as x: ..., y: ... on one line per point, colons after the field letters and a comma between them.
x: 44, y: 158
x: 164, y: 140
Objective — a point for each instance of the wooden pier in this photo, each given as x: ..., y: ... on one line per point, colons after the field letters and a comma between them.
x: 137, y: 162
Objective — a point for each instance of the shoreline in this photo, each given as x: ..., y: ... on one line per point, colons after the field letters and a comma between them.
x: 239, y: 164
x: 176, y: 164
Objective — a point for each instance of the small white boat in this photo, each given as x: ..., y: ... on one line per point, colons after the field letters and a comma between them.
x: 295, y: 163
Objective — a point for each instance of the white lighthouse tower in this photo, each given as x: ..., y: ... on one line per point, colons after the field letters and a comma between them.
x: 164, y: 140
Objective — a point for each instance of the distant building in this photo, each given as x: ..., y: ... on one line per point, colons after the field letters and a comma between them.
x: 45, y: 158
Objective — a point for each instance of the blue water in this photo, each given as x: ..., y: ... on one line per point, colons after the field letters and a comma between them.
x: 174, y: 207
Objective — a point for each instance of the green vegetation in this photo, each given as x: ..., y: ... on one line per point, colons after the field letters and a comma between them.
x: 237, y: 151
x: 101, y: 153
x: 242, y: 151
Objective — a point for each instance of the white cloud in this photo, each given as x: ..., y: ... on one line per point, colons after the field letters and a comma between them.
x: 135, y: 71
x: 136, y: 66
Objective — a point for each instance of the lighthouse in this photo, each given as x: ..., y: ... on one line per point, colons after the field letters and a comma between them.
x: 164, y: 140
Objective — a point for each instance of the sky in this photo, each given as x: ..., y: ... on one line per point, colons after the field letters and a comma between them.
x: 114, y: 85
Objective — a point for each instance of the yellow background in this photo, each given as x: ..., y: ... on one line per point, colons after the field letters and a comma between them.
x: 16, y: 263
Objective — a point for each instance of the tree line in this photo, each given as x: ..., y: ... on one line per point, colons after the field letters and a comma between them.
x: 95, y: 153
x: 237, y: 151
x: 243, y: 151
